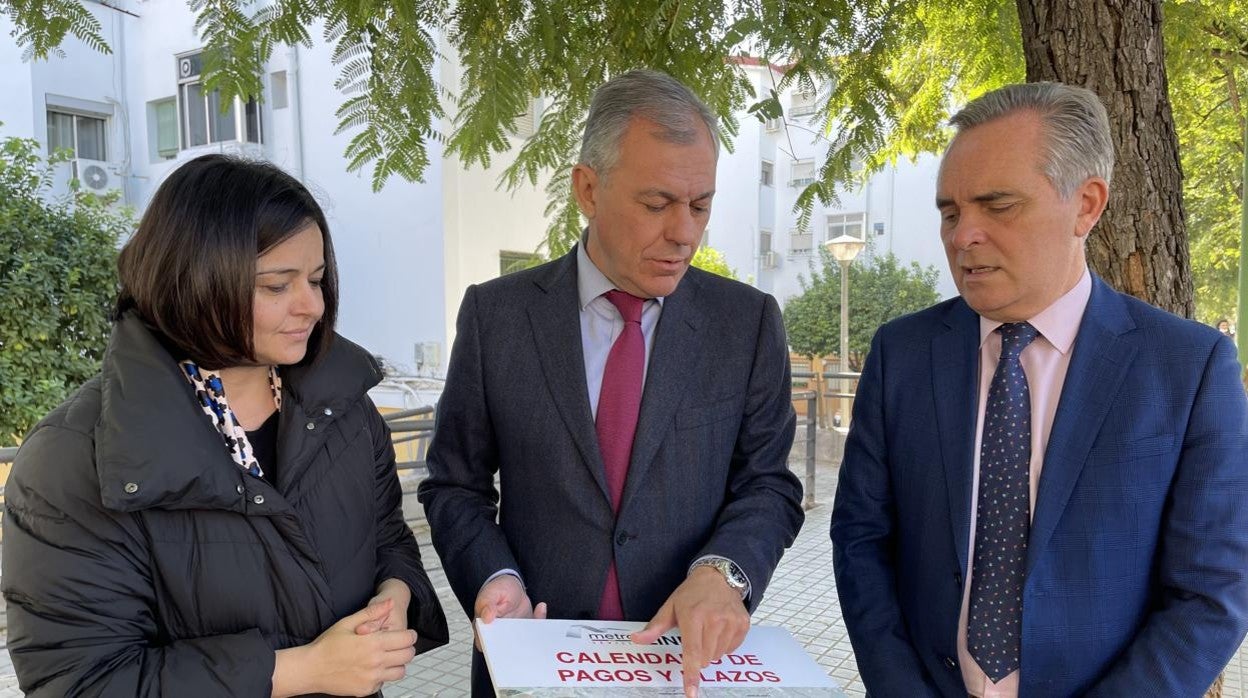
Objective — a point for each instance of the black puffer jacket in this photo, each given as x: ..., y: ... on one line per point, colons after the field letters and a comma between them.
x: 139, y: 560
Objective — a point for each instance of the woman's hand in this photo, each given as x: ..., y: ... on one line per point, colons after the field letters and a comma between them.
x: 398, y: 592
x: 345, y: 662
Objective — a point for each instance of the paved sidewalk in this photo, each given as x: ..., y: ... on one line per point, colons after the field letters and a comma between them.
x: 801, y: 597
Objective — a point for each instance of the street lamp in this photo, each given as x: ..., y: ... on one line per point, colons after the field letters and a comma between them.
x: 843, y: 250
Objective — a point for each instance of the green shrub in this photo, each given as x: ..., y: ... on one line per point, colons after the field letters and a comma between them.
x: 58, y: 279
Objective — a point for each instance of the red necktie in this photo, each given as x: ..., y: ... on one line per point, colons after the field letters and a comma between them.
x: 619, y: 403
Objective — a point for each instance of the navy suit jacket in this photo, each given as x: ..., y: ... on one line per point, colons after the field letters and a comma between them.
x: 1137, y: 563
x: 708, y: 473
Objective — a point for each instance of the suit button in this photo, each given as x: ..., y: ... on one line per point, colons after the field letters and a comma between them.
x: 950, y: 663
x: 258, y: 499
x: 622, y: 538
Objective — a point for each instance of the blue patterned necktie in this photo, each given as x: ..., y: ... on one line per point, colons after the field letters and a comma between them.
x: 1003, y: 519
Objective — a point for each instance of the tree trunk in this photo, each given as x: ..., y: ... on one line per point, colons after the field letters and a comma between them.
x: 1114, y: 48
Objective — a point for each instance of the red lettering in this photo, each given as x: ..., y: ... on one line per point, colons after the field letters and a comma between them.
x: 565, y: 674
x: 752, y: 659
x: 565, y: 657
x: 735, y: 659
x: 753, y: 677
x: 771, y: 676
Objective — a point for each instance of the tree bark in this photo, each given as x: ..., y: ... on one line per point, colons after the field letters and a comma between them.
x: 1114, y: 48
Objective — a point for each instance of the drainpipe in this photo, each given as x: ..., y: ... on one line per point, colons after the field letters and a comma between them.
x: 296, y: 112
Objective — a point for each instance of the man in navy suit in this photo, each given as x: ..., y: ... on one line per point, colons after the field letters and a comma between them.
x: 1045, y: 485
x: 656, y: 488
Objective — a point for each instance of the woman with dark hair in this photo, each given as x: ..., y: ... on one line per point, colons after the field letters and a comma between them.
x: 217, y: 513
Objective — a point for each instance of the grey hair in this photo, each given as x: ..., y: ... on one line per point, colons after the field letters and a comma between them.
x: 1076, y: 128
x: 649, y: 94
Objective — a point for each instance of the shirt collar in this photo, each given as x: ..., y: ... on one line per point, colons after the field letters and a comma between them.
x: 590, y: 281
x: 1058, y: 323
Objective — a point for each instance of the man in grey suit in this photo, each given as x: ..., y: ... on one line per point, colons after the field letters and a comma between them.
x: 641, y: 462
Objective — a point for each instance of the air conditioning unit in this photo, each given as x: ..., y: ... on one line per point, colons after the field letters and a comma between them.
x: 769, y: 259
x: 95, y: 176
x: 772, y: 125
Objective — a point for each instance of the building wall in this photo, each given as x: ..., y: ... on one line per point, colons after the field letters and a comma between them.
x: 17, y: 111
x: 388, y: 243
x: 735, y: 211
x: 481, y: 217
x: 407, y: 253
x: 899, y: 212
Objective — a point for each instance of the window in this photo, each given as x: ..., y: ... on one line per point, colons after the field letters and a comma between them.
x: 800, y: 243
x: 84, y: 135
x: 528, y: 120
x: 772, y: 124
x: 766, y: 256
x: 509, y: 261
x: 767, y: 174
x: 803, y: 173
x: 162, y: 128
x: 205, y: 119
x: 845, y: 224
x: 802, y: 103
x: 277, y: 90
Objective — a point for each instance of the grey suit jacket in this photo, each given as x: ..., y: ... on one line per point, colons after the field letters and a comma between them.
x: 708, y: 473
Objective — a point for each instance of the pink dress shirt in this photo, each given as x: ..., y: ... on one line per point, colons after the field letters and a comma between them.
x: 1045, y: 362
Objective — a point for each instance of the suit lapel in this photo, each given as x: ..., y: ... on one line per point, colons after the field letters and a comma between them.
x: 675, y: 342
x: 955, y: 384
x: 554, y: 316
x: 1098, y: 366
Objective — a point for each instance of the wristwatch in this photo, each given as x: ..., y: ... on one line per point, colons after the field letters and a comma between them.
x: 732, y: 574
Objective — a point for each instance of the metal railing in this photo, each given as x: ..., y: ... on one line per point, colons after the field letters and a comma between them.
x: 830, y: 375
x: 413, y: 427
x: 410, y: 432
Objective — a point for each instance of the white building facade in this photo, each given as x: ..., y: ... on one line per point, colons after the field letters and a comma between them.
x: 407, y: 253
x: 753, y: 220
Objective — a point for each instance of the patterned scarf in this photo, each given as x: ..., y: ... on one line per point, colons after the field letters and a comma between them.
x: 211, y: 396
